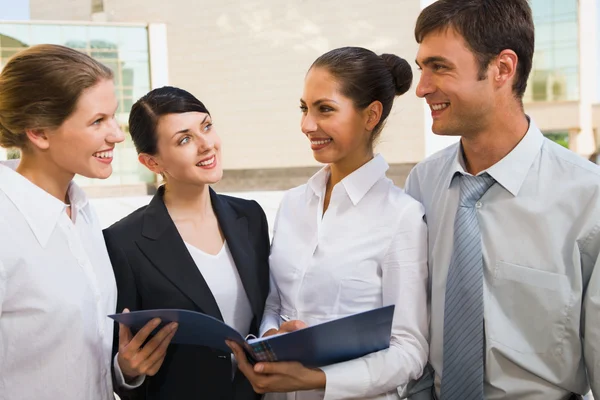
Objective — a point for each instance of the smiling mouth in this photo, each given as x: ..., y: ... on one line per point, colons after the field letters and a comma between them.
x: 439, y: 107
x: 104, y: 154
x: 318, y: 142
x: 206, y: 163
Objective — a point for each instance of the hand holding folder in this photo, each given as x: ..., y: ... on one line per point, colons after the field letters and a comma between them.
x: 327, y: 343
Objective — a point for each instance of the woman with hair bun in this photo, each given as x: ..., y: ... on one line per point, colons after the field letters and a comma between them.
x: 348, y: 240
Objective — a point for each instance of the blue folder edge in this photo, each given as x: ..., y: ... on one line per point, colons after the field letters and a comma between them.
x: 327, y: 343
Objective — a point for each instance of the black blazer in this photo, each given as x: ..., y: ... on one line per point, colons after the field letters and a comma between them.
x: 154, y: 269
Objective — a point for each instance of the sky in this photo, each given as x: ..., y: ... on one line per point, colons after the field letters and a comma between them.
x: 14, y: 10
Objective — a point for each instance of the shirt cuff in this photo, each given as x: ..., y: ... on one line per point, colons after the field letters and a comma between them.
x: 136, y: 383
x: 345, y: 381
x: 269, y: 322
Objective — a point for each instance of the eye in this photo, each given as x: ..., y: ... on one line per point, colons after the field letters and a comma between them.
x: 438, y: 67
x: 184, y: 140
x: 325, y: 109
x: 303, y: 108
x: 98, y: 121
x: 208, y: 127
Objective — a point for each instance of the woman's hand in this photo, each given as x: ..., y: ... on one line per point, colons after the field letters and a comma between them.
x: 286, y: 327
x: 281, y: 376
x: 136, y: 358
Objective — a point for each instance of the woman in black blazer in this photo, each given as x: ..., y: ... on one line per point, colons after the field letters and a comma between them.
x: 190, y: 248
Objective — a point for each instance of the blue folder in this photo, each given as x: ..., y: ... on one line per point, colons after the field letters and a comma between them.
x: 327, y: 343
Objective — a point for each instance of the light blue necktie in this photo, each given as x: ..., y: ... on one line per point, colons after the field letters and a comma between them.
x: 463, y: 372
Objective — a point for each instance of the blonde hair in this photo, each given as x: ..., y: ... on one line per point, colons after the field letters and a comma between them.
x: 40, y: 87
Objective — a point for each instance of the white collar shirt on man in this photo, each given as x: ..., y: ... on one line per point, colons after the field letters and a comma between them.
x: 366, y: 251
x: 56, y: 289
x: 540, y: 229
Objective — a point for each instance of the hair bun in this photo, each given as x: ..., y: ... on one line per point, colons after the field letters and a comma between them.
x: 9, y: 140
x: 401, y: 72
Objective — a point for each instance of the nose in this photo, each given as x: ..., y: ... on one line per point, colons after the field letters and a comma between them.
x: 205, y: 143
x: 116, y: 135
x: 308, y: 124
x: 425, y: 85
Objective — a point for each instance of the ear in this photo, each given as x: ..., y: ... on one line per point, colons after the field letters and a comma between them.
x: 38, y: 138
x: 505, y: 68
x: 373, y: 115
x: 150, y: 162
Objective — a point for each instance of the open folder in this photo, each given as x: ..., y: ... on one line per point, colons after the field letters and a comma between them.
x: 322, y: 344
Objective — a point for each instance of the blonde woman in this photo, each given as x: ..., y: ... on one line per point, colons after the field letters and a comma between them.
x: 57, y: 106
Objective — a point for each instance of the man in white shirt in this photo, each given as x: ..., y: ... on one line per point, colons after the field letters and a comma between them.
x: 513, y: 218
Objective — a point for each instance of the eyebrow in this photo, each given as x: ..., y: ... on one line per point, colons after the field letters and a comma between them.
x: 103, y: 115
x: 434, y: 59
x: 317, y: 102
x: 187, y: 130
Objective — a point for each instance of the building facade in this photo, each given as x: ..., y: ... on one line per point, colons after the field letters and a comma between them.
x: 247, y: 60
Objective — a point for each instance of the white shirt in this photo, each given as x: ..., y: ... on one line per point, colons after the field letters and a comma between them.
x: 56, y: 289
x: 222, y: 277
x: 368, y: 250
x: 540, y: 229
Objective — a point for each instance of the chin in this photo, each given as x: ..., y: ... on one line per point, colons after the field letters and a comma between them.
x: 211, y: 178
x: 324, y: 158
x: 96, y: 174
x: 443, y: 131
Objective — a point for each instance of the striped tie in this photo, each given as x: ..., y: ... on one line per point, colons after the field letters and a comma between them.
x: 462, y: 375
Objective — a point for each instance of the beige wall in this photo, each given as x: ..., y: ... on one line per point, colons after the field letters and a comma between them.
x: 565, y: 116
x: 560, y: 116
x: 246, y: 61
x: 60, y: 10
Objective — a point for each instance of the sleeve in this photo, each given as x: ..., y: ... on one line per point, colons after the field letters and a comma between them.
x: 3, y: 285
x: 591, y: 315
x: 411, y: 186
x: 404, y: 280
x: 120, y: 379
x: 270, y: 318
x: 127, y: 297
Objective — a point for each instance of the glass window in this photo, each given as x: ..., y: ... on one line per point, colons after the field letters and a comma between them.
x: 41, y: 34
x: 75, y: 36
x: 14, y: 32
x: 136, y: 74
x: 555, y: 72
x: 104, y: 33
x: 133, y: 39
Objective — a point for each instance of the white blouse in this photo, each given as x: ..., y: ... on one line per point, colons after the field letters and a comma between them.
x: 222, y: 277
x: 368, y: 250
x: 56, y: 289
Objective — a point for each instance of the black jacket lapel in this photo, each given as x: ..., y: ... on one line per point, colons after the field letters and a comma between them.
x: 165, y: 248
x: 235, y: 230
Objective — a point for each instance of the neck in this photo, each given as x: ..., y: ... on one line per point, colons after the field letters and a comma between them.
x: 502, y: 134
x: 341, y: 169
x: 183, y: 199
x: 46, y: 175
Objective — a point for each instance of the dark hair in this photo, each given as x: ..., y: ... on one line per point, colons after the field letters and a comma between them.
x: 365, y: 77
x: 488, y: 27
x: 145, y: 113
x: 40, y: 87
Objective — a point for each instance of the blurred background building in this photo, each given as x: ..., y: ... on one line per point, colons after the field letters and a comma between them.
x: 246, y: 60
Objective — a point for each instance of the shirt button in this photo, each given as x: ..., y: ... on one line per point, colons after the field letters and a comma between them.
x: 478, y: 204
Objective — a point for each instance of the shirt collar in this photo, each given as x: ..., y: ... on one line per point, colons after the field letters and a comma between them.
x: 511, y: 171
x: 40, y: 209
x: 357, y: 184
